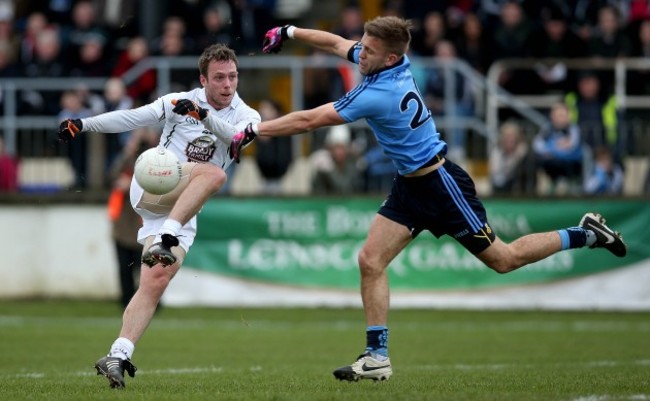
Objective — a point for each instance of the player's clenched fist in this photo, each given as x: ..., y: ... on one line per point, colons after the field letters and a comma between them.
x: 190, y: 108
x: 275, y: 37
x: 240, y: 140
x: 68, y: 129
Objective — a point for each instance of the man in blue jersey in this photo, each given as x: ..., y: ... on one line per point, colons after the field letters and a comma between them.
x: 429, y: 192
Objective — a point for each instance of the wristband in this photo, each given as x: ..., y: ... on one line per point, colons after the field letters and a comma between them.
x: 290, y: 30
x: 255, y: 129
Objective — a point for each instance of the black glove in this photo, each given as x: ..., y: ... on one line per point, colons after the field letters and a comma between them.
x: 240, y: 140
x: 188, y: 107
x: 274, y: 39
x: 68, y: 129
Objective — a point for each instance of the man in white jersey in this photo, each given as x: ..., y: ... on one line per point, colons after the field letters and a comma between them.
x: 198, y: 128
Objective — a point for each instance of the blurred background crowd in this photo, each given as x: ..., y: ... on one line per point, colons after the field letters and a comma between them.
x: 590, y: 141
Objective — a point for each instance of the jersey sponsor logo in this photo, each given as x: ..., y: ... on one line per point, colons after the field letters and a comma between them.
x: 201, y: 149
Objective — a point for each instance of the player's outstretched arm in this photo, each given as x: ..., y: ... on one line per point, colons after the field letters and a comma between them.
x: 325, y: 41
x: 121, y: 120
x: 289, y: 124
x: 302, y: 121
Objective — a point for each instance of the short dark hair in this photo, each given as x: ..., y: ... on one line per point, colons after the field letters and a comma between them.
x: 395, y: 32
x: 216, y: 52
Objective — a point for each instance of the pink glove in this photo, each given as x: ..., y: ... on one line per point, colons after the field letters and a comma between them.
x: 239, y: 140
x: 274, y: 38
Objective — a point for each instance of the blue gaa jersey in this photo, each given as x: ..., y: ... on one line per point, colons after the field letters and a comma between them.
x: 392, y: 105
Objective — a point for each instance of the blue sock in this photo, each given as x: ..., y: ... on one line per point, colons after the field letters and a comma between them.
x: 573, y: 237
x: 377, y: 340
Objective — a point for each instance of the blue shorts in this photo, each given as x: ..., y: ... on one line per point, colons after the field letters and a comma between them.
x: 443, y: 202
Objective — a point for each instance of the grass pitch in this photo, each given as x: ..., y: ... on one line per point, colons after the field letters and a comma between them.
x: 48, y: 348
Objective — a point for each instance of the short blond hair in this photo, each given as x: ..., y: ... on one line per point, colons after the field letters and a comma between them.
x: 395, y: 32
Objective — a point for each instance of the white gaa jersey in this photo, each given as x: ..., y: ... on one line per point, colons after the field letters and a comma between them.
x: 190, y: 140
x: 204, y: 141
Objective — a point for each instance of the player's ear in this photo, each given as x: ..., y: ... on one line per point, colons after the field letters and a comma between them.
x: 391, y: 59
x: 203, y: 80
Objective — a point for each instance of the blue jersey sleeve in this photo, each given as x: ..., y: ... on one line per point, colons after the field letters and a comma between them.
x: 361, y: 102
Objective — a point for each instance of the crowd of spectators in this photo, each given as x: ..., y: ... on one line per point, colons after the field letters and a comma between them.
x: 92, y: 38
x: 585, y: 127
x: 82, y: 38
x: 582, y: 149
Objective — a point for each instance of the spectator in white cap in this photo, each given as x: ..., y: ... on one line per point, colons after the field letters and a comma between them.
x: 335, y: 166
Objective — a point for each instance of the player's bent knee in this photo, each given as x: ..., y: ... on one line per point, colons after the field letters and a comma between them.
x: 500, y: 258
x: 217, y: 173
x: 500, y: 265
x: 501, y: 268
x: 217, y: 176
x: 220, y: 179
x: 504, y: 265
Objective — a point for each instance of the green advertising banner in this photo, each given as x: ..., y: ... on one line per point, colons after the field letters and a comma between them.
x: 311, y: 242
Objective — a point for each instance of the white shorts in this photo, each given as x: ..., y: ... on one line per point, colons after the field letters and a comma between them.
x: 154, y: 210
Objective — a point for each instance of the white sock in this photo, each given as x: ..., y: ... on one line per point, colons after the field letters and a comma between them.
x: 170, y: 226
x: 122, y: 348
x: 591, y: 238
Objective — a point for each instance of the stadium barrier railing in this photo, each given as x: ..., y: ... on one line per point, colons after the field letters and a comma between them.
x: 29, y: 136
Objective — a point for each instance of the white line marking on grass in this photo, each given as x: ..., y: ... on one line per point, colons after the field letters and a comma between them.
x: 184, y: 371
x: 29, y: 375
x: 635, y: 397
x: 501, y: 366
x: 493, y: 366
x: 457, y: 366
x: 171, y: 371
x: 20, y: 321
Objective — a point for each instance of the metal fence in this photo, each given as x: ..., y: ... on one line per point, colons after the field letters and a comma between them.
x: 30, y: 136
x: 636, y: 121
